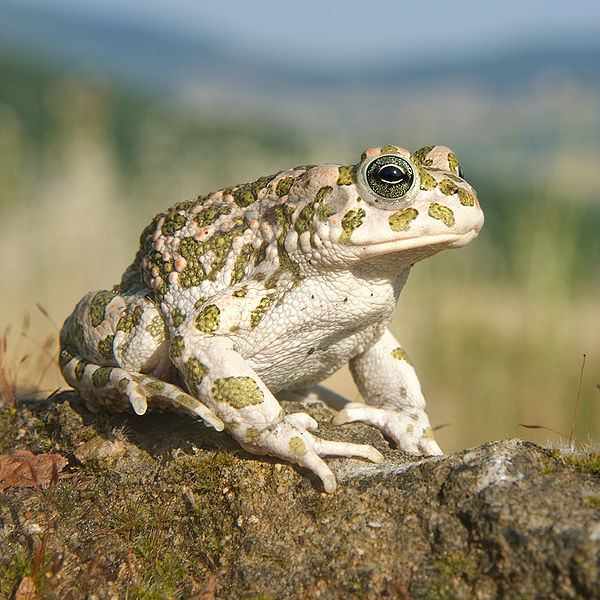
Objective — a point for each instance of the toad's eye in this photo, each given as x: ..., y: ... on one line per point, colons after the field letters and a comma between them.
x: 389, y: 176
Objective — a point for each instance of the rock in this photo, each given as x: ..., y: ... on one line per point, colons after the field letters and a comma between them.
x: 100, y: 450
x: 180, y: 509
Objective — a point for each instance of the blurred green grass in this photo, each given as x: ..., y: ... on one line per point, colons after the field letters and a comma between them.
x: 496, y: 331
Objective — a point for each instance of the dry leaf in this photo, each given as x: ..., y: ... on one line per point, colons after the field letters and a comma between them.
x: 205, y: 592
x: 26, y: 590
x: 24, y: 469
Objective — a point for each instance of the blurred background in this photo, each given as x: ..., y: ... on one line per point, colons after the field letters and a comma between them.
x: 112, y: 111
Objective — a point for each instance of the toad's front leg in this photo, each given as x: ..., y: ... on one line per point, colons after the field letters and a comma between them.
x: 394, y: 401
x: 215, y: 372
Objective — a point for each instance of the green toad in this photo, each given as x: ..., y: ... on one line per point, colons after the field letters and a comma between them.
x: 271, y: 286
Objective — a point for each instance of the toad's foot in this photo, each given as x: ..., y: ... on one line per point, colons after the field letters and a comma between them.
x: 408, y: 427
x: 290, y: 440
x: 117, y: 389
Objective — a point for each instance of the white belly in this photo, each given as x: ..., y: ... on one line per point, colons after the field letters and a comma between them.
x: 316, y: 329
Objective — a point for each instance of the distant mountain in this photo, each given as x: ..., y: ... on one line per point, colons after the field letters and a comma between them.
x: 127, y: 53
x: 155, y: 61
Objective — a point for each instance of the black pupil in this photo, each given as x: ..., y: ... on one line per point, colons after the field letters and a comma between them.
x: 390, y: 177
x: 391, y: 174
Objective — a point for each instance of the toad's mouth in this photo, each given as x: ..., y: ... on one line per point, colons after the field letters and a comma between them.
x: 434, y: 242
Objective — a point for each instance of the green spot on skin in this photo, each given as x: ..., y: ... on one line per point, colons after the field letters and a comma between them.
x: 287, y: 264
x: 453, y: 162
x: 442, y: 213
x: 427, y: 181
x: 304, y: 221
x: 247, y: 193
x: 243, y: 196
x: 324, y: 211
x: 465, y: 198
x: 101, y: 376
x: 283, y: 186
x: 208, y: 319
x: 238, y: 392
x: 389, y: 149
x: 122, y: 385
x: 241, y: 262
x: 195, y: 372
x: 155, y: 386
x: 76, y: 332
x: 283, y: 218
x: 130, y: 319
x: 177, y: 317
x: 409, y: 428
x: 428, y: 433
x: 176, y: 346
x: 186, y: 400
x: 401, y: 220
x: 208, y: 216
x: 79, y: 369
x: 297, y: 446
x: 201, y: 301
x: 400, y: 354
x: 261, y: 309
x: 271, y: 281
x: 347, y: 175
x: 421, y: 155
x: 240, y: 292
x: 105, y: 348
x: 156, y: 328
x: 323, y: 193
x: 261, y: 253
x: 174, y: 221
x: 448, y: 187
x: 352, y: 220
x: 252, y: 434
x: 98, y: 307
x: 204, y: 258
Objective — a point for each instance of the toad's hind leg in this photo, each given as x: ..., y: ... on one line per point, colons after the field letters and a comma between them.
x: 113, y: 351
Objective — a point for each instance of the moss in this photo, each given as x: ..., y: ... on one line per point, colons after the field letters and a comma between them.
x: 162, y: 570
x: 12, y: 569
x: 64, y: 497
x: 584, y: 463
x: 451, y: 570
x: 201, y: 473
x: 593, y: 501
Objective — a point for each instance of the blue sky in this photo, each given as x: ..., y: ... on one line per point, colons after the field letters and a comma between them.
x: 331, y: 32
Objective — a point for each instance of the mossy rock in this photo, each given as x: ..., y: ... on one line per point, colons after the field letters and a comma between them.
x: 168, y: 508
